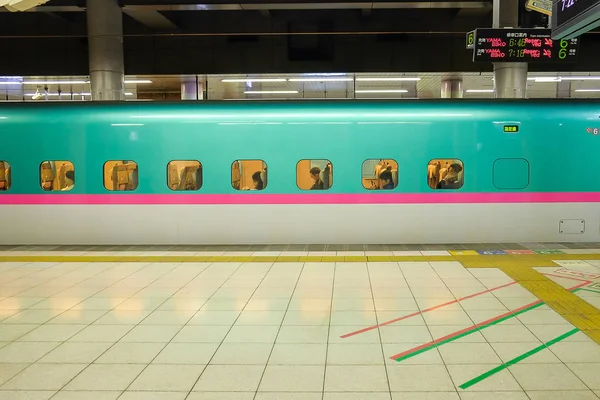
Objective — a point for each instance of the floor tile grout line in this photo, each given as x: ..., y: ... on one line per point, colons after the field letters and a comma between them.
x: 39, y: 325
x: 278, y: 331
x: 421, y: 312
x: 567, y: 366
x: 463, y: 310
x: 385, y: 366
x: 232, y: 324
x: 61, y: 343
x: 514, y: 361
x: 329, y: 331
x: 170, y: 297
x: 33, y: 272
x: 33, y: 287
x: 469, y: 330
x: 486, y: 339
x: 124, y: 334
x: 557, y: 356
x: 181, y: 326
x: 540, y: 340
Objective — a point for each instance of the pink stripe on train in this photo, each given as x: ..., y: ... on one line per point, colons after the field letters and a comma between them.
x: 304, y: 198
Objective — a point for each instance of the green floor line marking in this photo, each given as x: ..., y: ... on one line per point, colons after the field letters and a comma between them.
x: 515, y: 360
x: 475, y: 329
x: 590, y: 290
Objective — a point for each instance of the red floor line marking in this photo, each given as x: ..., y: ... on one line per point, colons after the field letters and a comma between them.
x: 370, y: 328
x: 457, y: 333
x: 469, y: 328
x: 566, y: 277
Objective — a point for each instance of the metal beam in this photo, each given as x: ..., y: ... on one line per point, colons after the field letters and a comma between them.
x: 283, y: 6
x: 151, y: 18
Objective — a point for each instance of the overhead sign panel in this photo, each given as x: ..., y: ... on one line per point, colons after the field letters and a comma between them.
x: 522, y: 45
x: 21, y: 5
x: 572, y: 18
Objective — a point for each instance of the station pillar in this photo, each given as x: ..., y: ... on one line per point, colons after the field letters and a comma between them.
x: 191, y: 90
x: 452, y: 89
x: 510, y: 79
x: 105, y: 42
x: 563, y: 90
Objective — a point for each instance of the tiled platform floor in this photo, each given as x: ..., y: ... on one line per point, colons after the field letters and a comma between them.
x: 293, y: 330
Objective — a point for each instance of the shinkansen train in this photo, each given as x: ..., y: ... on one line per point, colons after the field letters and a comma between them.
x: 300, y: 172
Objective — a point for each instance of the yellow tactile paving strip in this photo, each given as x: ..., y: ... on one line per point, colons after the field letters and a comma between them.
x: 518, y: 266
x: 469, y: 261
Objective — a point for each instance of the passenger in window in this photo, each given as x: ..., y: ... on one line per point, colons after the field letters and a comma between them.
x: 69, y: 180
x: 257, y: 180
x: 315, y: 175
x: 386, y: 180
x: 451, y: 180
x: 327, y: 176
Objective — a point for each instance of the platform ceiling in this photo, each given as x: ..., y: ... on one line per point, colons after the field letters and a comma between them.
x: 255, y: 36
x: 301, y: 86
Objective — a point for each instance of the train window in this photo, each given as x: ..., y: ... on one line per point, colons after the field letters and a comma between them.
x: 184, y: 175
x: 314, y: 174
x: 5, y: 172
x: 249, y: 175
x: 120, y: 175
x: 445, y: 173
x: 57, y: 176
x: 511, y: 173
x: 380, y: 174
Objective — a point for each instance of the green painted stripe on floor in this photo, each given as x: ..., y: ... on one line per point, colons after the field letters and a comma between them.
x: 515, y: 360
x: 475, y: 329
x: 590, y: 290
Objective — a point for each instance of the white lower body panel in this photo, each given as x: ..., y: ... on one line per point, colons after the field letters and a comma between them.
x: 295, y: 224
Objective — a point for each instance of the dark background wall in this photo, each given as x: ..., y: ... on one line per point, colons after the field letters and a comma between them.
x: 209, y: 42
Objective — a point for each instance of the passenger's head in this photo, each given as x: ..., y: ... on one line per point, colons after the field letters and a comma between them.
x: 314, y: 173
x: 258, y: 182
x: 386, y: 178
x: 456, y: 168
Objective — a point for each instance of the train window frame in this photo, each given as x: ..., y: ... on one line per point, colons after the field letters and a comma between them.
x: 54, y: 177
x: 122, y: 161
x: 184, y: 190
x: 362, y: 176
x: 504, y: 159
x: 328, y: 161
x: 462, y: 164
x: 265, y: 169
x: 6, y: 178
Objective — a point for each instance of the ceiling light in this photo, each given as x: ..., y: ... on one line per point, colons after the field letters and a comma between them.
x: 580, y: 78
x: 388, y: 79
x: 382, y: 91
x: 587, y: 90
x: 547, y: 79
x: 254, y: 80
x: 480, y: 91
x: 271, y: 92
x: 72, y: 94
x: 320, y: 79
x: 55, y: 82
x: 61, y: 94
x: 137, y: 81
x: 10, y: 83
